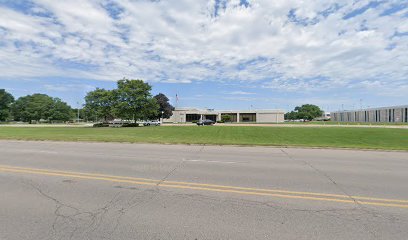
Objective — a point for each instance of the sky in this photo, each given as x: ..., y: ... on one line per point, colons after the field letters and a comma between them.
x: 221, y: 54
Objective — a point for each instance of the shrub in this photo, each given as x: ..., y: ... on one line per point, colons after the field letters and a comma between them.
x: 101, y: 125
x: 194, y: 121
x: 130, y: 125
x: 220, y: 121
x: 226, y: 118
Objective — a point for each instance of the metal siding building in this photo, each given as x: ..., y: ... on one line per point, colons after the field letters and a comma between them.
x: 183, y: 115
x: 383, y: 114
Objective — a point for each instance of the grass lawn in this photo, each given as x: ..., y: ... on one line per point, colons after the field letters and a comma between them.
x: 338, y: 123
x: 366, y: 138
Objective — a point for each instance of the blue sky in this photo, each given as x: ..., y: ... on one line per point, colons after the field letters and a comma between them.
x: 223, y: 54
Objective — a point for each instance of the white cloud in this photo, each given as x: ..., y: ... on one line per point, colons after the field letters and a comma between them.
x: 176, y: 81
x: 185, y: 41
x: 240, y: 93
x: 68, y: 87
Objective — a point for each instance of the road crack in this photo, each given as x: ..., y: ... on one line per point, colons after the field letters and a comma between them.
x: 328, y: 177
x: 132, y: 203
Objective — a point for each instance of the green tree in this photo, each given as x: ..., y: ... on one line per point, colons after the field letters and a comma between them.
x: 99, y: 104
x: 6, y: 99
x: 40, y: 107
x: 164, y: 106
x: 226, y: 118
x: 133, y: 100
x: 291, y: 115
x: 309, y: 111
x: 151, y: 110
x: 306, y: 112
x: 60, y: 111
x: 32, y: 108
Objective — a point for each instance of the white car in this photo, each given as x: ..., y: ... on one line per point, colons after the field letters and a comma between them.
x: 151, y: 123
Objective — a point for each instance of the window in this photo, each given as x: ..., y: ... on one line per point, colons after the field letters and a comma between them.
x: 192, y: 117
x: 393, y: 115
x: 389, y: 115
x: 232, y: 116
x: 211, y: 117
x: 247, y: 117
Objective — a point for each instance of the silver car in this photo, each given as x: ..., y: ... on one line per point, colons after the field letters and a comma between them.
x: 151, y: 123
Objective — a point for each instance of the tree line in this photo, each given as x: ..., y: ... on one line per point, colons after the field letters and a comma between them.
x: 34, y: 107
x: 130, y: 100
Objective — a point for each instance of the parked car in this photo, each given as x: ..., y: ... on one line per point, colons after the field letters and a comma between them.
x: 116, y: 123
x: 205, y: 122
x: 151, y: 123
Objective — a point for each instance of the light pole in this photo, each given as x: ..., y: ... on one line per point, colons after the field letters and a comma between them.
x: 78, y: 112
x: 162, y: 112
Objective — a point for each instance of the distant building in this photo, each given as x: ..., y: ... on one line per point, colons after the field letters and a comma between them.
x: 183, y: 115
x: 325, y: 117
x: 383, y: 114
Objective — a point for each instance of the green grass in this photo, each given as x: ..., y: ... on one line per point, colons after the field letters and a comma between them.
x: 365, y: 138
x: 352, y: 123
x: 334, y: 123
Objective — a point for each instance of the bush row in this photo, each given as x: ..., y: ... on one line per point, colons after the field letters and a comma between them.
x: 101, y: 125
x: 123, y: 125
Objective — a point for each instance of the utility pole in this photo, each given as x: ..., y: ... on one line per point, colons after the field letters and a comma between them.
x: 78, y: 112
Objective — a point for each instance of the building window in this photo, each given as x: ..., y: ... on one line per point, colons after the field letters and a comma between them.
x: 406, y: 114
x: 389, y: 115
x: 211, y: 117
x: 232, y: 116
x: 192, y: 117
x: 247, y: 117
x: 393, y: 115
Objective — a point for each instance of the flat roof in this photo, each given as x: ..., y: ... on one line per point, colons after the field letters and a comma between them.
x: 370, y: 109
x: 209, y: 111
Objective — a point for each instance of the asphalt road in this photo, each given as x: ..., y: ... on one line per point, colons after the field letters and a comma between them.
x: 56, y: 190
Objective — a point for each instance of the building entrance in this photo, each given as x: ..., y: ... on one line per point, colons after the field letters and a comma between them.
x: 211, y: 117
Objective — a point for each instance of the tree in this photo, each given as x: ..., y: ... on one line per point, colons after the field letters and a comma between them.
x: 6, y: 99
x: 99, y: 104
x: 306, y: 112
x: 60, y: 111
x: 133, y: 100
x: 38, y: 107
x: 309, y: 111
x: 226, y: 118
x: 291, y: 115
x: 151, y: 110
x: 32, y: 107
x: 164, y: 106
